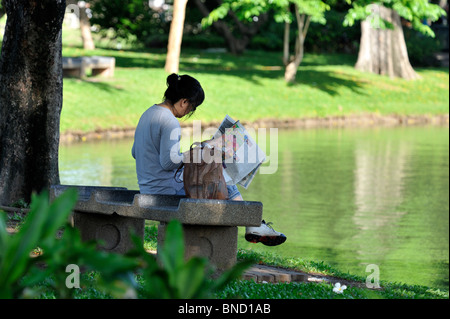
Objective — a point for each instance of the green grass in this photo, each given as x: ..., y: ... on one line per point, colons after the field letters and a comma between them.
x: 246, y: 289
x: 250, y: 290
x: 249, y: 87
x: 324, y: 290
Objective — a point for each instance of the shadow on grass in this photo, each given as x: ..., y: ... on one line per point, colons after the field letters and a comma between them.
x: 328, y: 82
x: 97, y: 82
x: 253, y: 66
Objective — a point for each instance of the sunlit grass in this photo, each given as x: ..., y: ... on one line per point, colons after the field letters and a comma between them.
x: 247, y: 87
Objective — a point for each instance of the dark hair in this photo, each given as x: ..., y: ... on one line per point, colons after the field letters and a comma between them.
x: 184, y: 87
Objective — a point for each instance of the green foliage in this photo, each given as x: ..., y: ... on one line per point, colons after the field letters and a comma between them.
x: 333, y: 37
x: 133, y: 21
x: 115, y: 272
x: 412, y: 10
x: 421, y: 48
x: 39, y: 229
x: 22, y: 275
x: 173, y: 277
x: 246, y: 10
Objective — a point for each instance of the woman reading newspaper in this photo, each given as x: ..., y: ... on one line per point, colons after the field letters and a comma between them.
x: 156, y: 149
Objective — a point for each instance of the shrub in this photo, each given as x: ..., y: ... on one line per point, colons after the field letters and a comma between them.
x: 168, y: 277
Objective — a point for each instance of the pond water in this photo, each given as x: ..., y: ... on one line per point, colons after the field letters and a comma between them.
x: 349, y: 197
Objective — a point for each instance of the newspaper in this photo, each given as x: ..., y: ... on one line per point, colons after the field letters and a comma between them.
x: 242, y: 156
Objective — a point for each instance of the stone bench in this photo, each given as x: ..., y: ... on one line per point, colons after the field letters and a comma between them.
x: 77, y: 66
x: 210, y: 226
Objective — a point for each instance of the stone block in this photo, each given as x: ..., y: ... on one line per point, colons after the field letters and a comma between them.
x: 77, y: 66
x: 113, y: 232
x: 216, y: 243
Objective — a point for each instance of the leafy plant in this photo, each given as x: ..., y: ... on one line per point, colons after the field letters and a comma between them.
x: 414, y: 11
x: 34, y: 261
x: 39, y: 229
x: 114, y: 272
x: 173, y: 277
x: 35, y: 254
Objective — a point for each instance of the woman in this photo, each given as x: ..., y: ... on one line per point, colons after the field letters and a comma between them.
x: 156, y: 148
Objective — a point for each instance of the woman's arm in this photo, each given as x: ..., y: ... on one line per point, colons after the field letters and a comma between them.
x: 170, y: 156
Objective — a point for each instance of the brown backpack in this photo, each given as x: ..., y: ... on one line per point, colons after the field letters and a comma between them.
x: 203, y: 176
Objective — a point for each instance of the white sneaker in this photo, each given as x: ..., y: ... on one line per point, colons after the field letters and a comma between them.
x: 264, y: 234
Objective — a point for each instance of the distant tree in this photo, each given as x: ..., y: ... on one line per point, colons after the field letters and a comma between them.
x: 238, y: 32
x: 175, y: 36
x: 304, y: 11
x: 285, y: 11
x: 131, y: 20
x: 85, y: 24
x: 382, y: 46
x: 30, y: 97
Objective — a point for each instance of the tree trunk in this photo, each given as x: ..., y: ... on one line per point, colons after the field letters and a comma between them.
x: 85, y: 28
x: 287, y: 27
x: 79, y: 8
x: 30, y: 98
x: 175, y: 36
x: 302, y: 25
x: 383, y: 51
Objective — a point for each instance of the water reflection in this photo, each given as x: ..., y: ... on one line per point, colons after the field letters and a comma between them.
x: 349, y: 197
x: 379, y: 176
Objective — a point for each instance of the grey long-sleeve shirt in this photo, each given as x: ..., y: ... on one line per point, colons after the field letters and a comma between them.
x: 156, y: 150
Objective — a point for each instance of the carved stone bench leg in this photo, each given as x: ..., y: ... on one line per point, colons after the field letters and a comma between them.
x: 74, y: 72
x: 103, y: 71
x: 217, y: 243
x: 113, y: 230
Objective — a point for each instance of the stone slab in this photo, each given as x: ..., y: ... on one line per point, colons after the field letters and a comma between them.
x: 262, y: 273
x: 164, y: 208
x: 100, y: 65
x: 210, y: 226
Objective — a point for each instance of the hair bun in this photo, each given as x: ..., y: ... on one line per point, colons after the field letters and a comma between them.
x: 184, y: 87
x: 172, y: 80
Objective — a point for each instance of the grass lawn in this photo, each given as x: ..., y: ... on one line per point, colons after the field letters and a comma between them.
x: 247, y: 87
x: 247, y: 289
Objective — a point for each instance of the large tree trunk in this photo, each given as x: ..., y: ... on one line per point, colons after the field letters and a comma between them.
x: 175, y: 36
x: 383, y: 51
x: 30, y: 97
